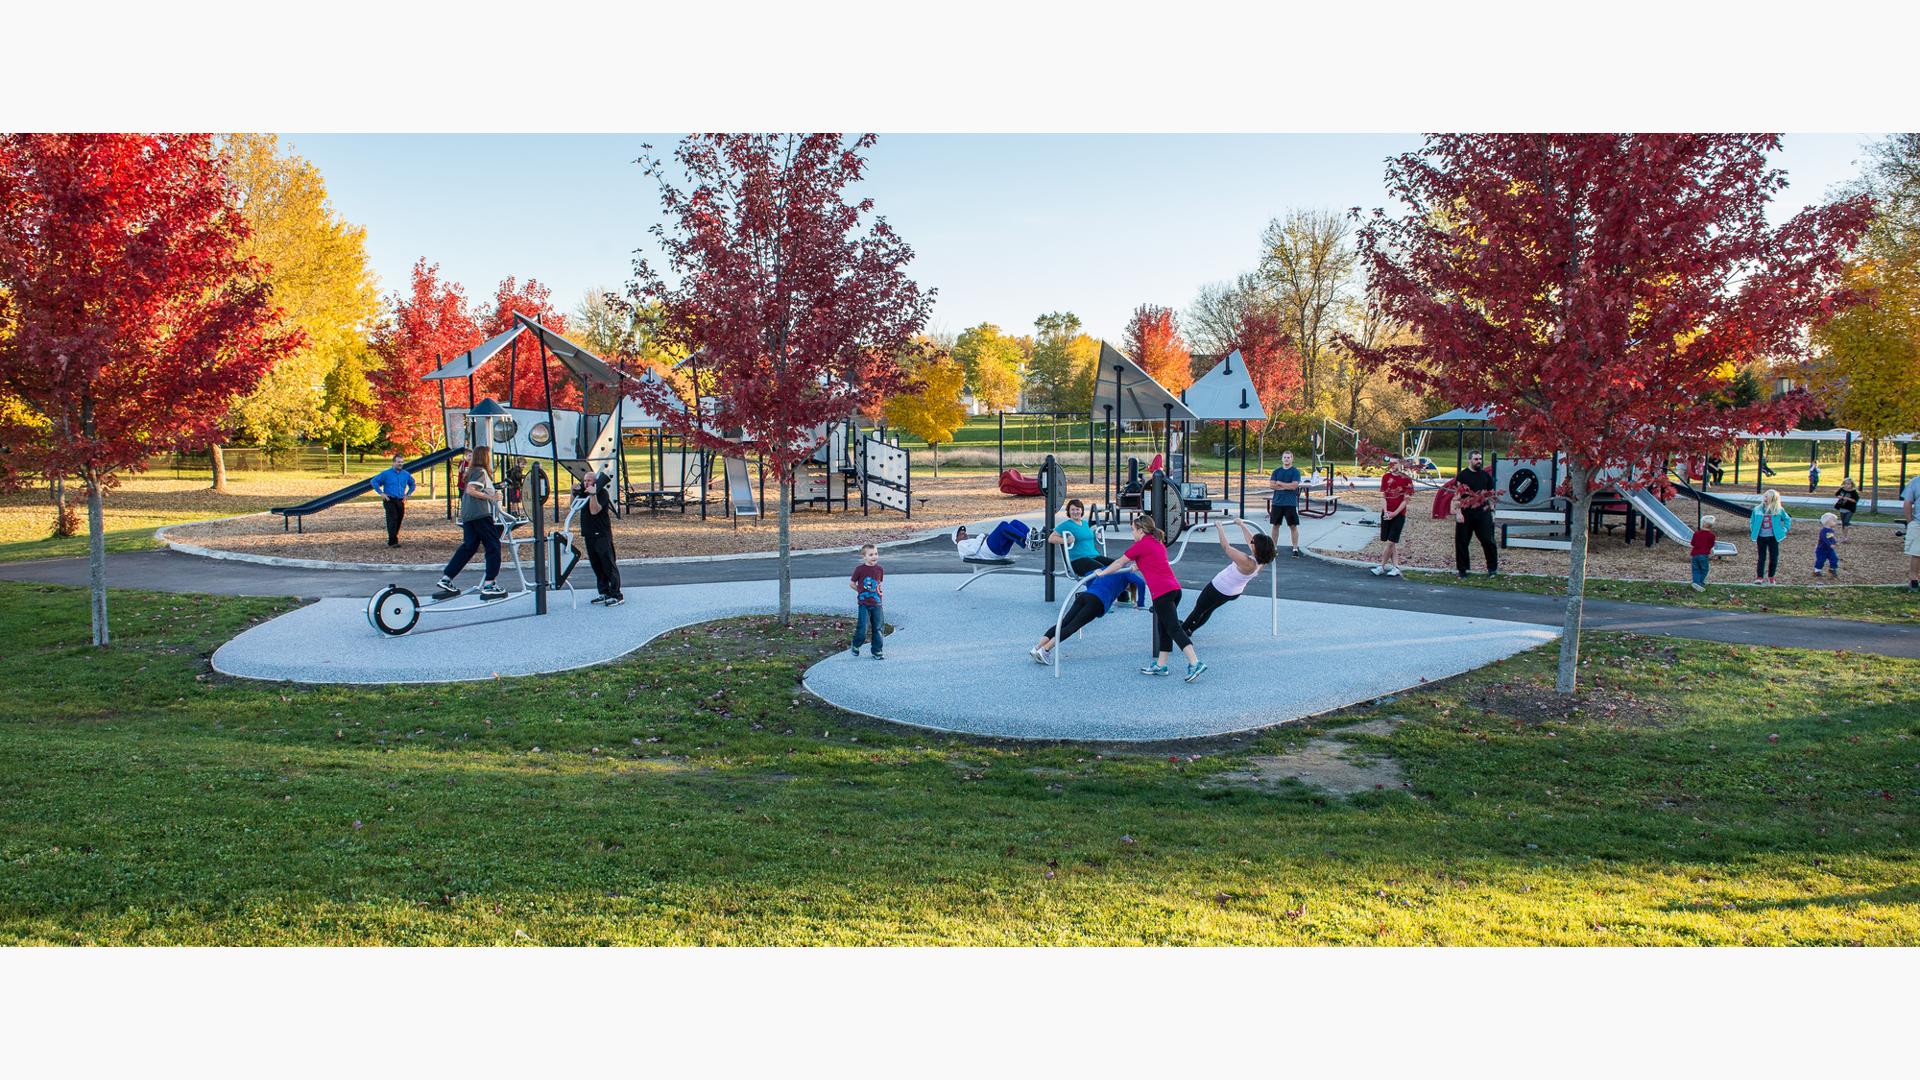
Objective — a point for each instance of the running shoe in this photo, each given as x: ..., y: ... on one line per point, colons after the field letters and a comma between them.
x: 855, y: 651
x: 1039, y: 657
x: 1155, y: 669
x: 615, y: 601
x: 1377, y: 570
x: 601, y: 599
x: 445, y: 590
x: 1296, y: 552
x: 490, y: 590
x: 1699, y: 588
x: 1393, y: 571
x: 879, y: 656
x: 1194, y: 671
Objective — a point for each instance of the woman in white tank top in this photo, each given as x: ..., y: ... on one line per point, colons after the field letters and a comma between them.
x: 1233, y: 578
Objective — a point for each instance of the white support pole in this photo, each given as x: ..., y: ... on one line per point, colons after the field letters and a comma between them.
x: 1273, y: 589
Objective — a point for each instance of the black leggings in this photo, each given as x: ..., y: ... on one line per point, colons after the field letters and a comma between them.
x: 1203, y: 608
x: 1085, y: 565
x: 1085, y: 609
x: 1766, y: 556
x: 1167, y: 631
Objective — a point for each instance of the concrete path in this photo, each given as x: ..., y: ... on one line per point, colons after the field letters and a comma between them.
x: 1299, y: 579
x: 956, y: 661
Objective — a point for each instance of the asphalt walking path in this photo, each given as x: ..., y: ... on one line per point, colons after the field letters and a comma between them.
x: 1299, y: 579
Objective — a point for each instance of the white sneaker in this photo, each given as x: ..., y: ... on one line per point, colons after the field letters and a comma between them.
x: 1039, y: 657
x: 1393, y: 571
x: 1377, y: 570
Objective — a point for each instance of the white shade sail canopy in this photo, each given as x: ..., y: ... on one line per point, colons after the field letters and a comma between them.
x: 577, y: 360
x: 1225, y: 392
x: 1131, y: 393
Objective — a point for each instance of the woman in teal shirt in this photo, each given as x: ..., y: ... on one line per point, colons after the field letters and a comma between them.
x: 1083, y: 548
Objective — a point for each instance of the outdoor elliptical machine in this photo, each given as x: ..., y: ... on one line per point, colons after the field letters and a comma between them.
x: 395, y: 609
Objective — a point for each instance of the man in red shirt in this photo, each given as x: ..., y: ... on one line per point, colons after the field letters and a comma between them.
x: 1396, y: 489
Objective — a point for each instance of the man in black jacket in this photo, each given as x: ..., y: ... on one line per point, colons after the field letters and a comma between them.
x: 596, y: 532
x: 1471, y: 521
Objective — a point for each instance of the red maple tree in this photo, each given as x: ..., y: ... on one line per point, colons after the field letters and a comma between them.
x: 516, y: 373
x: 427, y: 327
x: 129, y: 320
x: 1153, y: 341
x: 1592, y: 290
x: 789, y: 297
x: 1273, y: 363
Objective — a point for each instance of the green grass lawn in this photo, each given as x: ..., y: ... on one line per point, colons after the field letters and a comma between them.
x: 1865, y: 603
x: 148, y: 501
x: 693, y: 794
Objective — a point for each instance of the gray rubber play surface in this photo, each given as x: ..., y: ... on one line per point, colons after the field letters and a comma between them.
x: 955, y: 662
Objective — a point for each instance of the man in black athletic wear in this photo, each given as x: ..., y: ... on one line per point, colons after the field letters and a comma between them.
x: 1468, y: 522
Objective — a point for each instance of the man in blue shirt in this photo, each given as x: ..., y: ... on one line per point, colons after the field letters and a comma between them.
x: 1285, y: 507
x: 393, y: 486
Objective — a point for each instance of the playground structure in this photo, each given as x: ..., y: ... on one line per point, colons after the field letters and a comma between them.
x: 1531, y: 513
x: 575, y: 441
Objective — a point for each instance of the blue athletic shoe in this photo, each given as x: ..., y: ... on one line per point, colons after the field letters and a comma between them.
x: 1155, y: 669
x: 1194, y: 671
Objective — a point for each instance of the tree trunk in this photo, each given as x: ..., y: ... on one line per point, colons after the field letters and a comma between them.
x: 65, y: 523
x: 786, y: 549
x: 219, y: 469
x: 1566, y: 679
x: 343, y: 457
x: 97, y: 559
x: 936, y: 460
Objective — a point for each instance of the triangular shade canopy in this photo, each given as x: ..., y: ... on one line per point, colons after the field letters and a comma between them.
x: 1225, y: 392
x: 1132, y: 394
x: 581, y: 363
x: 473, y: 359
x: 1461, y: 416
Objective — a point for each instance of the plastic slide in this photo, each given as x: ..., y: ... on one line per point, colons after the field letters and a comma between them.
x: 1015, y: 482
x: 740, y: 487
x: 334, y: 498
x: 1744, y: 511
x: 1667, y: 521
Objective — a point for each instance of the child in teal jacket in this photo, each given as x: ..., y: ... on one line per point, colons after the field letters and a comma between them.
x: 1766, y: 527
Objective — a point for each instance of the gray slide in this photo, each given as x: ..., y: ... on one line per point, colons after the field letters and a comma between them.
x: 740, y: 486
x: 1668, y: 522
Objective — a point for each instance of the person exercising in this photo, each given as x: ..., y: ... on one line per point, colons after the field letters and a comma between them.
x: 596, y: 533
x: 1149, y: 553
x: 1233, y: 578
x: 1094, y: 600
x: 997, y: 544
x: 1082, y: 546
x: 479, y: 499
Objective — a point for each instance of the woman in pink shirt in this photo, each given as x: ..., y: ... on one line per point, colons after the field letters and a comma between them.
x: 1148, y: 555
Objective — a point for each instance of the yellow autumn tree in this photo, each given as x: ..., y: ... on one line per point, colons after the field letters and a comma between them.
x: 993, y: 362
x: 1866, y: 364
x: 931, y: 410
x: 317, y: 265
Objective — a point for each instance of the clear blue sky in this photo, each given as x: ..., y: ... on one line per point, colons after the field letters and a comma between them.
x: 1004, y: 226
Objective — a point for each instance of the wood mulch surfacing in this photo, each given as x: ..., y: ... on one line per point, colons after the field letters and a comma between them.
x: 1869, y: 555
x: 356, y: 531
